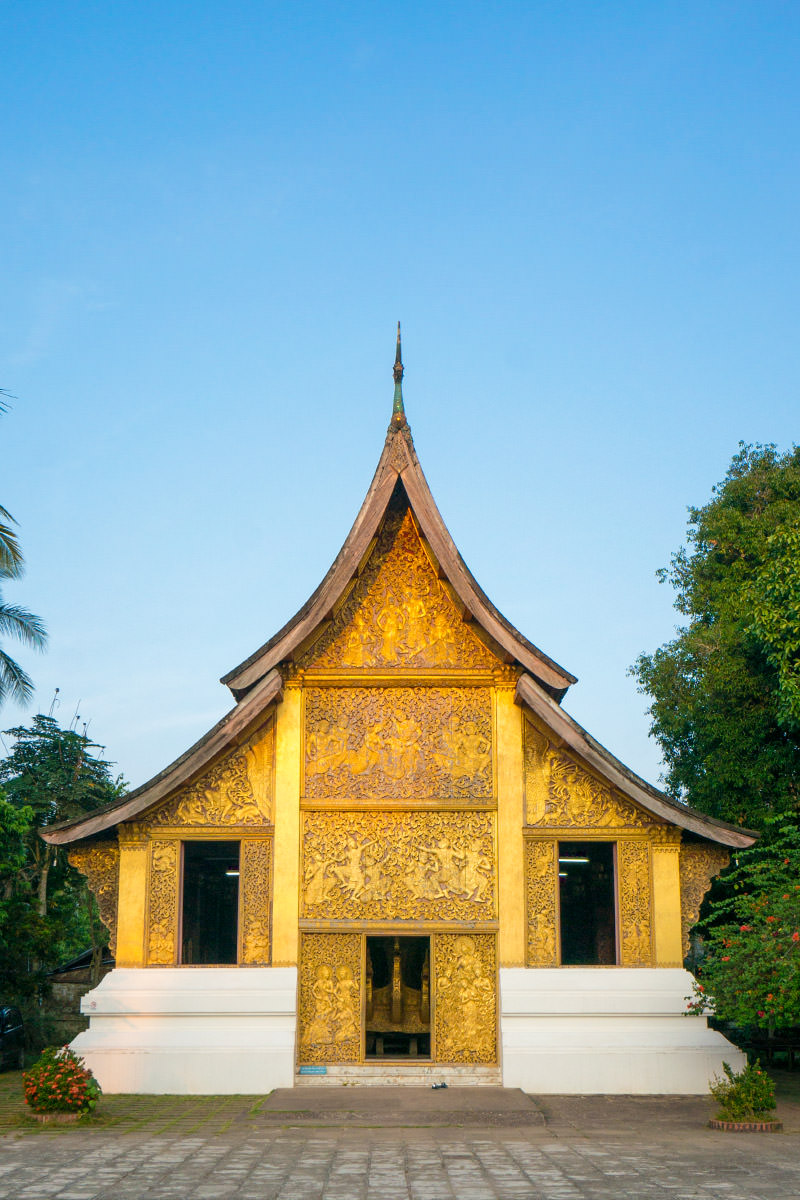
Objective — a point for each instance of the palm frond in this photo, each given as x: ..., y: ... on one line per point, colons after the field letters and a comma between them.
x: 11, y: 560
x: 25, y: 626
x: 14, y: 681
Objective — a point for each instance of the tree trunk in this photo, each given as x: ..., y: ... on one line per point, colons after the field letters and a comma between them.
x: 43, y: 881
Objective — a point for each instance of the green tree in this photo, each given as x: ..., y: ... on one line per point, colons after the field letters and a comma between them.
x: 750, y: 971
x: 50, y: 775
x: 725, y: 692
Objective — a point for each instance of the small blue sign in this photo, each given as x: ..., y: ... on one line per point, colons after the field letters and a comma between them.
x: 313, y: 1070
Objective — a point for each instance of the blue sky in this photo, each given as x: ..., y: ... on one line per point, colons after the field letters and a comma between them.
x: 586, y: 216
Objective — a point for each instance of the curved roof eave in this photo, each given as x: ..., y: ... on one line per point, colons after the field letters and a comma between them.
x: 398, y: 462
x: 178, y: 773
x: 530, y: 695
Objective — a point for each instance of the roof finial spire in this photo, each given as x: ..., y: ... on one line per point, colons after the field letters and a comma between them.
x: 398, y: 411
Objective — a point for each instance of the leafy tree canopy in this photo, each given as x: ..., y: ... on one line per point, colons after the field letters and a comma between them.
x: 725, y: 692
x: 47, y: 914
x: 750, y: 971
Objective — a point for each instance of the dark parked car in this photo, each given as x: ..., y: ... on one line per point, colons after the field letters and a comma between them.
x: 12, y: 1038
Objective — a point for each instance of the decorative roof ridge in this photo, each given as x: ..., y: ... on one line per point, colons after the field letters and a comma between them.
x: 530, y: 695
x: 180, y: 772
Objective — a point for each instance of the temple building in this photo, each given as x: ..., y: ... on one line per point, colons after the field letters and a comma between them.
x: 397, y: 858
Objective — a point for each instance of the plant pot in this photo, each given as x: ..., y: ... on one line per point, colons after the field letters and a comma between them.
x: 747, y: 1126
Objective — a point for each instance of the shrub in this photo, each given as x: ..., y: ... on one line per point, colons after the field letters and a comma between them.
x: 744, y: 1095
x: 59, y: 1082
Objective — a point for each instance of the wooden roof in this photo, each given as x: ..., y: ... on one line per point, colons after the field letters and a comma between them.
x: 398, y: 466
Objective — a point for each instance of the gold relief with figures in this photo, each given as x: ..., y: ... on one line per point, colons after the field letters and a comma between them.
x: 541, y: 893
x: 162, y: 925
x: 399, y: 615
x: 365, y: 743
x: 561, y: 793
x: 99, y: 862
x: 699, y: 863
x: 465, y: 991
x: 255, y: 886
x: 329, y: 998
x: 238, y: 790
x: 635, y: 906
x: 398, y: 866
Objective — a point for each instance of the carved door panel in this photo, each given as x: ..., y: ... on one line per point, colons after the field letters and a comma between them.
x: 465, y: 998
x: 330, y: 998
x: 162, y: 925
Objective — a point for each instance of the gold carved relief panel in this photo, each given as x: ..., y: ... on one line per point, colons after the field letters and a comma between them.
x: 399, y: 615
x: 162, y: 923
x: 238, y: 790
x: 559, y: 792
x: 99, y: 862
x: 465, y: 991
x: 699, y: 863
x: 398, y: 866
x: 329, y: 998
x: 398, y: 743
x: 541, y: 902
x: 635, y: 903
x: 255, y: 901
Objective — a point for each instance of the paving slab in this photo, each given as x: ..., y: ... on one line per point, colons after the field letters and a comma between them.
x: 391, y: 1106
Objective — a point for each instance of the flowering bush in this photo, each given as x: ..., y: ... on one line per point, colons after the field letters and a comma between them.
x: 744, y: 1095
x: 59, y: 1082
x: 750, y: 973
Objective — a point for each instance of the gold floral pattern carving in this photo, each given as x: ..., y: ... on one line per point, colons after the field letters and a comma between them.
x: 329, y: 1004
x: 99, y: 862
x: 255, y: 882
x: 699, y: 863
x: 393, y: 743
x: 636, y: 934
x: 399, y: 614
x: 398, y: 866
x: 162, y: 933
x: 237, y: 791
x: 541, y: 893
x: 465, y: 985
x: 560, y: 793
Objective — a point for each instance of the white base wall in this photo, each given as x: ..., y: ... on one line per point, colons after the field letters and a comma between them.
x: 192, y: 1030
x: 606, y: 1030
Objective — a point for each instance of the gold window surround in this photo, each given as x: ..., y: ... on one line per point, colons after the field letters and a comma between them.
x: 636, y: 912
x: 165, y: 891
x: 332, y: 996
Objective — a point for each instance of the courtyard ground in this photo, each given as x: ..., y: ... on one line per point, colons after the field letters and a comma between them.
x: 396, y: 1144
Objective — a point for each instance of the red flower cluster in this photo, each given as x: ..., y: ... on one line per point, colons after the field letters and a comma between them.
x: 59, y: 1082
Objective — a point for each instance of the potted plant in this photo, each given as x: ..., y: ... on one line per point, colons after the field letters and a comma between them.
x: 744, y: 1098
x: 59, y: 1087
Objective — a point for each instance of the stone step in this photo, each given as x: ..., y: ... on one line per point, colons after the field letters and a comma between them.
x: 400, y: 1074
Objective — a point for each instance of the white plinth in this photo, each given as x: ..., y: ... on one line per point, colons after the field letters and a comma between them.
x: 192, y: 1030
x: 606, y: 1030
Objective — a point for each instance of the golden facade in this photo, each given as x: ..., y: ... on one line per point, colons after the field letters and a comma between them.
x: 399, y: 810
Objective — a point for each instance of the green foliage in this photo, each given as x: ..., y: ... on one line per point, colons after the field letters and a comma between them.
x: 725, y: 692
x: 750, y: 971
x: 15, y: 622
x: 47, y: 915
x: 60, y: 1082
x: 746, y: 1095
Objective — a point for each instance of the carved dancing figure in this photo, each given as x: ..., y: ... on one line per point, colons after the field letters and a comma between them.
x: 345, y: 1004
x: 319, y: 1028
x: 471, y: 752
x: 477, y: 874
x: 444, y: 647
x: 390, y: 621
x: 369, y: 756
x: 326, y: 747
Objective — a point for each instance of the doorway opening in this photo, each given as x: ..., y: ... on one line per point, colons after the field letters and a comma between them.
x: 588, y: 911
x: 398, y: 1008
x: 210, y: 903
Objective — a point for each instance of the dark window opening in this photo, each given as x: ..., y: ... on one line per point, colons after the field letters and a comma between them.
x: 588, y: 911
x: 398, y: 1009
x: 210, y: 903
